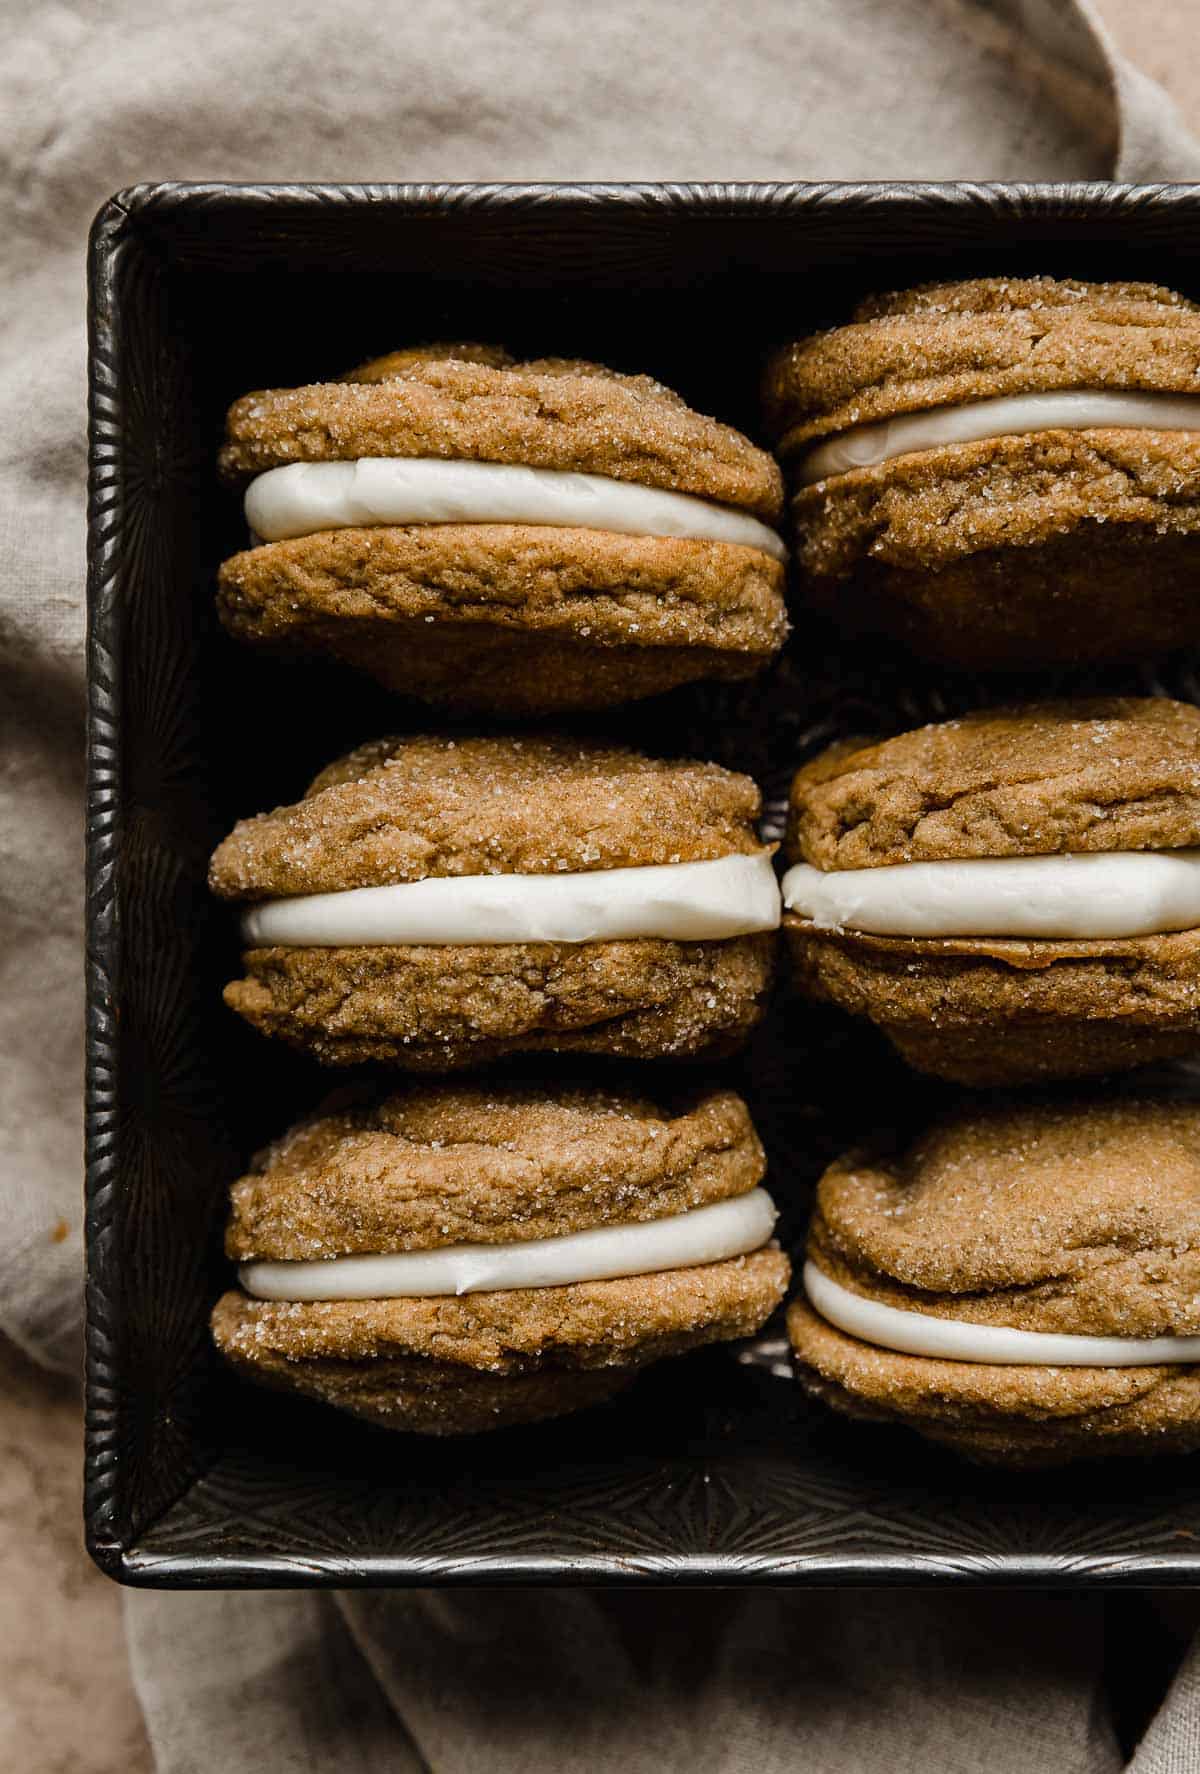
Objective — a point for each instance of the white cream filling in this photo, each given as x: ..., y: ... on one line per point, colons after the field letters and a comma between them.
x: 685, y: 1240
x: 951, y: 1339
x: 683, y: 901
x: 304, y: 497
x: 1113, y: 894
x: 1009, y: 415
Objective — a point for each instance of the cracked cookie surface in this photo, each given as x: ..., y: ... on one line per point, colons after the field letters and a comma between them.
x: 422, y: 805
x: 552, y: 413
x: 1121, y: 773
x: 1018, y: 1417
x: 427, y: 1008
x: 988, y: 1012
x: 1080, y: 1216
x: 1014, y: 551
x: 945, y: 344
x: 514, y: 618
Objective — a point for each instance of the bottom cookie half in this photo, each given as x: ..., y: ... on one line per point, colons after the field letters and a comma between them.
x: 1015, y: 552
x: 1004, y: 1416
x: 436, y: 1398
x: 1011, y: 1012
x: 435, y: 1009
x: 515, y: 619
x: 458, y: 1365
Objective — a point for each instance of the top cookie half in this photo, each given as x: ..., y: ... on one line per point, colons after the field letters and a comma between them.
x: 518, y: 538
x: 948, y: 343
x: 1094, y: 775
x: 550, y: 413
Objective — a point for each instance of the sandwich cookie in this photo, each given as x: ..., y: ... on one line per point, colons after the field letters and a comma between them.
x: 1022, y: 1285
x: 455, y: 1258
x: 1001, y: 473
x: 437, y: 902
x: 515, y: 537
x: 1010, y: 896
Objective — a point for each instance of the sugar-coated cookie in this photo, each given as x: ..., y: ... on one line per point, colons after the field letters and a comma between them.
x: 1010, y: 896
x: 435, y: 902
x: 513, y: 537
x: 454, y: 1258
x: 1022, y: 1285
x: 999, y: 473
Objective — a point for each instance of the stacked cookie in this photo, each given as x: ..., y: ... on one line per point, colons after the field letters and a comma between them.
x: 517, y: 539
x: 1000, y: 474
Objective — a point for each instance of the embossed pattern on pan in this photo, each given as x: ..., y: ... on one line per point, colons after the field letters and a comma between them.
x: 714, y: 1470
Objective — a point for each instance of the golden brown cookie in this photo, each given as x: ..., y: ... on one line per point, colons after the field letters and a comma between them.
x: 1078, y: 1219
x: 1086, y: 778
x: 520, y: 1172
x: 422, y: 1397
x: 1018, y: 549
x: 988, y: 1012
x: 604, y: 1333
x: 519, y: 617
x: 422, y: 809
x: 1022, y: 1417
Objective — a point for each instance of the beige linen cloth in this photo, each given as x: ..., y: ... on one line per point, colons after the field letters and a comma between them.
x: 96, y: 95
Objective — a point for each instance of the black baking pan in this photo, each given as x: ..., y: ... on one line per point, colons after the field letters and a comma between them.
x: 714, y: 1470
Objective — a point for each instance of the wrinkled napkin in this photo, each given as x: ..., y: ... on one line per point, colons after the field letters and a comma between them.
x: 96, y: 96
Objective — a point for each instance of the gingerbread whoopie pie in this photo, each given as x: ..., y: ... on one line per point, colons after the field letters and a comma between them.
x: 519, y: 538
x: 1022, y: 1285
x: 434, y: 902
x: 454, y: 1258
x: 1010, y: 896
x: 1003, y: 472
